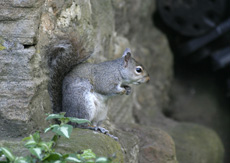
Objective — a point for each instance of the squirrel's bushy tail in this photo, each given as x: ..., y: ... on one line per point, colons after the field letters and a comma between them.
x: 63, y: 55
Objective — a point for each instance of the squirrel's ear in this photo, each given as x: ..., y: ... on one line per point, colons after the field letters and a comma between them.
x: 127, y: 56
x: 127, y: 50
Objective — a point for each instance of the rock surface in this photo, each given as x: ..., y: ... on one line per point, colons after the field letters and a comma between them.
x: 155, y: 145
x: 197, y: 98
x: 100, y: 144
x: 195, y: 143
x: 24, y: 96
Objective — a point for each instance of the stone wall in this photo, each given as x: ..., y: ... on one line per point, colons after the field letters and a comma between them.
x: 23, y: 90
x: 109, y: 27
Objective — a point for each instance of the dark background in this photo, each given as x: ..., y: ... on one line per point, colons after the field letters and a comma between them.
x: 201, y: 87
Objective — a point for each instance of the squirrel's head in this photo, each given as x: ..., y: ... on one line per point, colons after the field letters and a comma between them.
x: 133, y: 72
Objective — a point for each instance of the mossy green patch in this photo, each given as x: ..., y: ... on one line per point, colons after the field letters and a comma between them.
x: 101, y: 144
x: 2, y: 47
x: 1, y: 42
x: 80, y: 139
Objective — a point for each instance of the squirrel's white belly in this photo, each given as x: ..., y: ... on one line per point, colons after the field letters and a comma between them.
x: 97, y: 106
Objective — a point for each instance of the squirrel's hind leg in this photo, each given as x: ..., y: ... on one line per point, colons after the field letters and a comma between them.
x: 77, y: 100
x: 104, y: 131
x: 96, y: 127
x: 101, y: 129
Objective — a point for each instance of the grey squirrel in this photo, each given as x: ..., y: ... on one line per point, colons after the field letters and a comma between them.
x: 82, y: 89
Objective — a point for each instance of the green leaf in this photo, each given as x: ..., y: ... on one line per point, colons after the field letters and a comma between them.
x: 79, y: 121
x: 102, y: 160
x: 63, y: 130
x: 51, y: 127
x: 58, y: 161
x: 23, y: 160
x: 36, y: 137
x: 53, y: 157
x: 55, y: 138
x: 72, y: 158
x: 88, y: 154
x: 46, y: 145
x: 32, y: 140
x: 1, y: 153
x: 8, y: 153
x: 55, y: 116
x: 27, y: 138
x: 30, y: 143
x: 36, y: 152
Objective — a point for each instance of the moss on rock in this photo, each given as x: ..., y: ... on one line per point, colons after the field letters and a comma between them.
x: 80, y: 139
x: 101, y: 144
x: 195, y: 143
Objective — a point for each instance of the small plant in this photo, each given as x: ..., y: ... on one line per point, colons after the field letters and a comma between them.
x: 43, y: 151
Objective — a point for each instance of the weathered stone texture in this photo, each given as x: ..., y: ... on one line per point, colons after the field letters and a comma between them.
x: 154, y: 145
x: 20, y: 20
x: 196, y: 143
x: 101, y: 144
x: 22, y: 79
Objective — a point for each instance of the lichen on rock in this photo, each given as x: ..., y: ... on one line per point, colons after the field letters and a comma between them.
x: 69, y: 14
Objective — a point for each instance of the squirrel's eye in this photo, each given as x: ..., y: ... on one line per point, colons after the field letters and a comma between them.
x: 138, y: 69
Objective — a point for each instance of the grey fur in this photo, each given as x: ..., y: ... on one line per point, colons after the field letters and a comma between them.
x: 86, y: 88
x: 63, y: 55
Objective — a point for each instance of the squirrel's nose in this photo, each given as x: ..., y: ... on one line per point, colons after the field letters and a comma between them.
x: 147, y: 79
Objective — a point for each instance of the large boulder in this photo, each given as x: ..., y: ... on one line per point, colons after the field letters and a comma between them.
x: 100, y: 144
x: 195, y: 143
x: 24, y: 97
x: 155, y: 145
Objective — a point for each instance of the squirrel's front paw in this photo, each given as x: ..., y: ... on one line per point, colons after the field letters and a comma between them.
x: 124, y: 89
x: 127, y: 89
x: 121, y: 91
